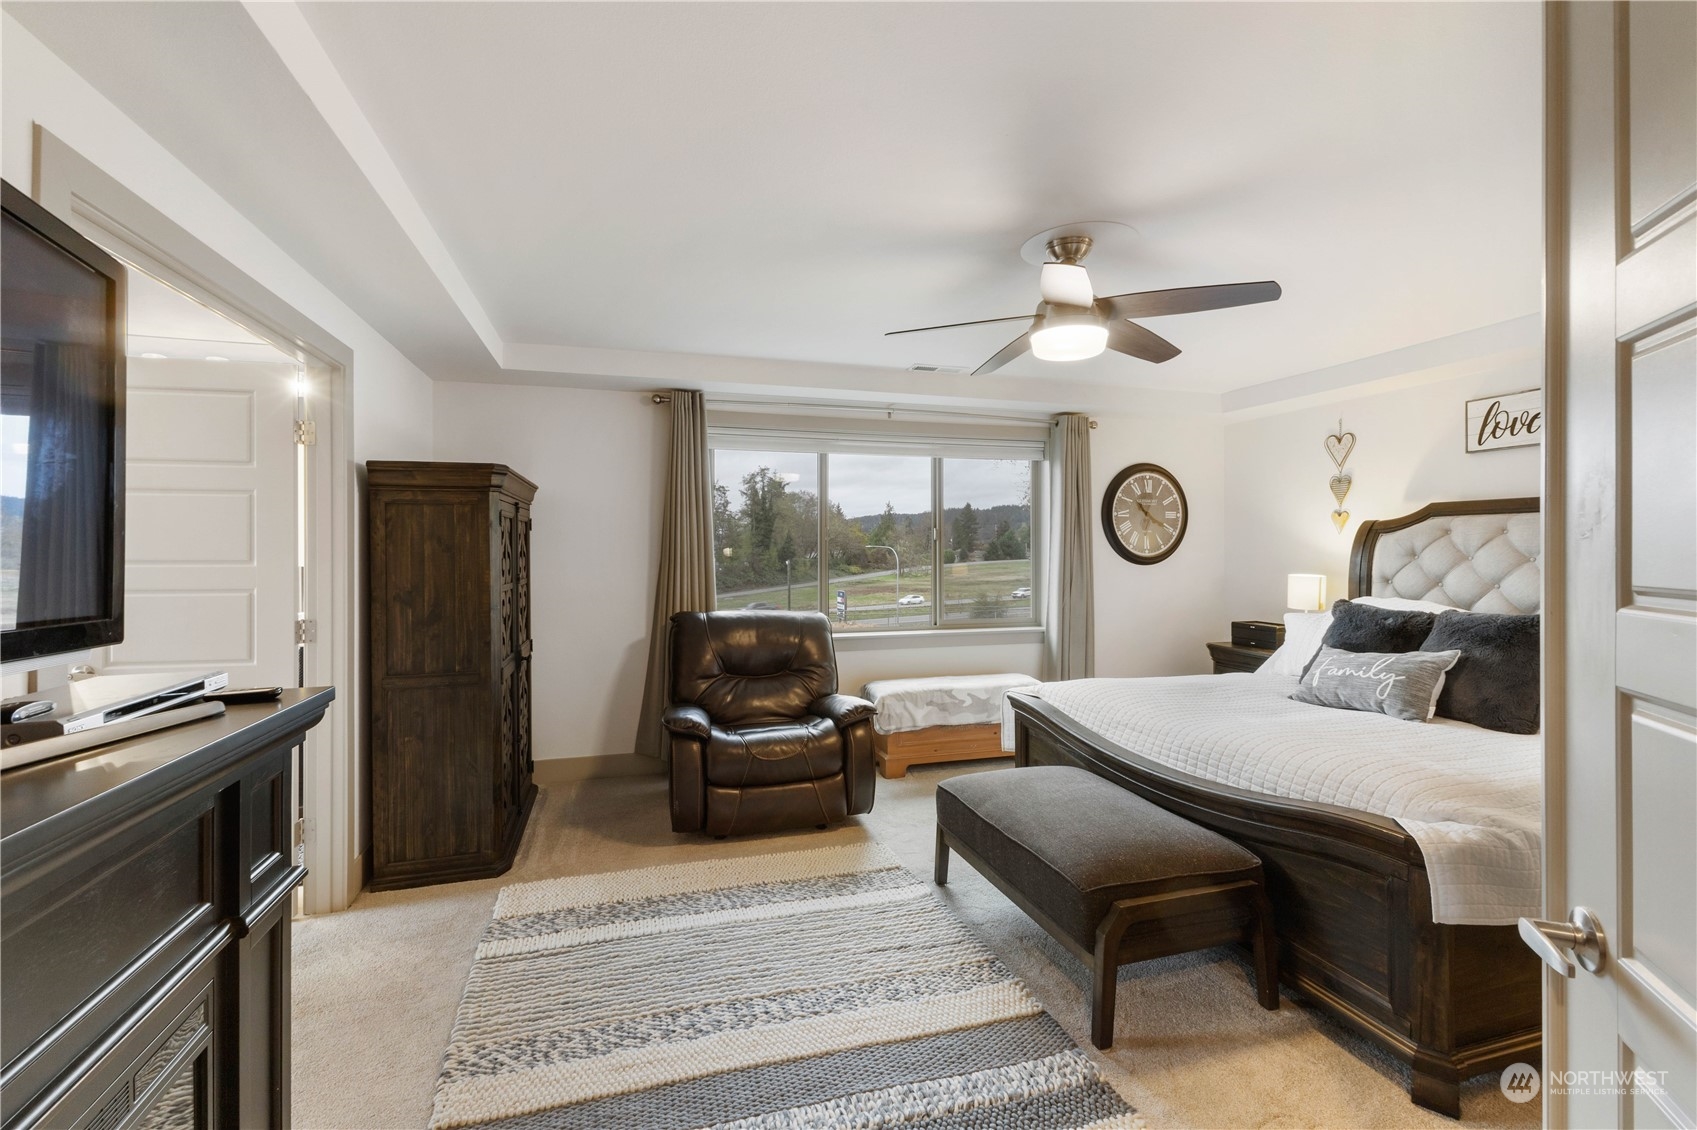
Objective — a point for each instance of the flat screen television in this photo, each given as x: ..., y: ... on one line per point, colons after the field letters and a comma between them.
x: 61, y: 437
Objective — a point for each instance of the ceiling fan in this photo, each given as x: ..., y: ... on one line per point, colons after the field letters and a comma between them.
x: 1072, y: 324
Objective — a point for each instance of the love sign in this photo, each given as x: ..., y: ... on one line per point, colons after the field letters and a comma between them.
x: 1515, y: 419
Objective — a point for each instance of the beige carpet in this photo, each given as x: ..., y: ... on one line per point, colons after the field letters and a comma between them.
x: 376, y: 986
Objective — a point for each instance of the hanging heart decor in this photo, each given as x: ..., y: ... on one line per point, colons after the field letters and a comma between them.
x: 1339, y: 445
x: 1340, y: 519
x: 1340, y: 484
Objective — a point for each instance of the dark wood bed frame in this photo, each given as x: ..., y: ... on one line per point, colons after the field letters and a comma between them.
x: 1350, y: 895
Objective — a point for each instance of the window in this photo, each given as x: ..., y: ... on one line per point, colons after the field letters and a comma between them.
x: 912, y: 539
x: 766, y: 529
x: 880, y: 536
x: 987, y: 540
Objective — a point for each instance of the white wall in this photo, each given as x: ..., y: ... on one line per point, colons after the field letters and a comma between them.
x: 1409, y: 451
x: 858, y: 664
x: 597, y: 460
x: 1158, y: 619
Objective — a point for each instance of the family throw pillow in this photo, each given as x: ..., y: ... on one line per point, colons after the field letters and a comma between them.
x: 1496, y: 683
x: 1403, y: 685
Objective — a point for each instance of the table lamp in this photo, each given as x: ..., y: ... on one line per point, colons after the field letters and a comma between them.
x: 1305, y: 592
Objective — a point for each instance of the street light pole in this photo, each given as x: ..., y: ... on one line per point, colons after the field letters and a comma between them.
x: 898, y: 558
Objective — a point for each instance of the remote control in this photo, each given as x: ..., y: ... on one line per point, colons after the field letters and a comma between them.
x: 19, y: 710
x: 236, y: 696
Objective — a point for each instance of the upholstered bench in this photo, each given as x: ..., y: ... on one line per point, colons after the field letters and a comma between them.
x: 942, y: 718
x: 1109, y: 875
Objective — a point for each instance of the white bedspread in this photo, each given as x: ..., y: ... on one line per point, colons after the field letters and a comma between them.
x: 1470, y: 797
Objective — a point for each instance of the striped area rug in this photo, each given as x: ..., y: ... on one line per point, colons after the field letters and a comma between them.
x: 808, y: 988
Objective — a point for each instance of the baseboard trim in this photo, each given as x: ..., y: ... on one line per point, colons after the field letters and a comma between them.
x: 565, y: 770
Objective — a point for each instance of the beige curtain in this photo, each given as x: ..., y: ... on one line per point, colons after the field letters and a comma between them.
x: 685, y: 582
x: 1069, y: 644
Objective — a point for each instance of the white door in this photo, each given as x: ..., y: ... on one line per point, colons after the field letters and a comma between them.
x: 1621, y: 652
x: 211, y: 562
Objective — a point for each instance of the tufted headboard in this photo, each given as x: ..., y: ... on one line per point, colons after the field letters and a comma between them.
x: 1480, y: 555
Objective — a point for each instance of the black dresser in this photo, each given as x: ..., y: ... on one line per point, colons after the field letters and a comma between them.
x: 144, y: 927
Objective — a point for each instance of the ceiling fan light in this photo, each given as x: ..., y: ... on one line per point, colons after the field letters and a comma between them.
x: 1069, y: 341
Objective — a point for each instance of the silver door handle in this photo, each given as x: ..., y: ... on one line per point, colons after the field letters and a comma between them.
x: 1553, y: 941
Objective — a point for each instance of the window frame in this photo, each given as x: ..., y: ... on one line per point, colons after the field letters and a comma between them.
x: 825, y: 602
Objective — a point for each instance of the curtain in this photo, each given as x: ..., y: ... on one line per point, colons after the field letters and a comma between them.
x: 65, y: 556
x: 685, y: 581
x: 1069, y: 645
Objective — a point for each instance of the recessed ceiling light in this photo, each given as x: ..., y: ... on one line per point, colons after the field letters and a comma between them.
x: 154, y: 356
x: 215, y: 357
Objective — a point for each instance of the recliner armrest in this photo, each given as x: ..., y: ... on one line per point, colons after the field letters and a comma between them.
x: 843, y: 710
x: 687, y: 719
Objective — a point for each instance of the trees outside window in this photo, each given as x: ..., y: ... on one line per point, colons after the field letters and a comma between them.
x: 890, y: 561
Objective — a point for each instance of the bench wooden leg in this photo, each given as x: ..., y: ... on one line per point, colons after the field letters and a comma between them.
x: 1104, y: 975
x: 1265, y: 943
x: 940, y: 871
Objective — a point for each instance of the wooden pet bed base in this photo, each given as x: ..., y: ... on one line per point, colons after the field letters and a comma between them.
x: 895, y: 752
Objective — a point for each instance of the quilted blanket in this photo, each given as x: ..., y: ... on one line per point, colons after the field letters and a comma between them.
x: 1470, y: 797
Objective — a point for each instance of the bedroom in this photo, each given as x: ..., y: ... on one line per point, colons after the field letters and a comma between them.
x: 500, y: 232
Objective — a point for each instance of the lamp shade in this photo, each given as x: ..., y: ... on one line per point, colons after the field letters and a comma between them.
x: 1305, y: 591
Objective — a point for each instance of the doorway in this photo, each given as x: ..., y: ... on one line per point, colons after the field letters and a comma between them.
x: 214, y: 516
x: 255, y: 327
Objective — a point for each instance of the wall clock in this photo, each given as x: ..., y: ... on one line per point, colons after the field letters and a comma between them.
x: 1144, y: 514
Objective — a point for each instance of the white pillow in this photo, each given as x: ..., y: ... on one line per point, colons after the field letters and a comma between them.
x: 1403, y: 604
x: 1303, y: 633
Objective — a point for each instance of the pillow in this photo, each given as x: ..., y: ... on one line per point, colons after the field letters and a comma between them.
x: 1403, y: 603
x: 1303, y: 633
x: 1403, y: 685
x: 1496, y: 683
x: 1364, y: 627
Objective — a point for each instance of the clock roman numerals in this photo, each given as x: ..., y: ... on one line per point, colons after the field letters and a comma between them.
x: 1144, y: 514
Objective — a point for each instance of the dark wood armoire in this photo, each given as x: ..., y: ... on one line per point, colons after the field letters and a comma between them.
x: 449, y: 695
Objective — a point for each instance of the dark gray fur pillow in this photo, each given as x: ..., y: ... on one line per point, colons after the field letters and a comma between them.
x: 1496, y: 683
x: 1403, y: 684
x: 1363, y: 627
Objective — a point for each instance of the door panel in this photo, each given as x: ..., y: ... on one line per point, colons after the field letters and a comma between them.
x: 1621, y: 744
x: 211, y: 562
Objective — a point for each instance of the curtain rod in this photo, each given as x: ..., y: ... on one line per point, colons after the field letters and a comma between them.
x: 886, y: 410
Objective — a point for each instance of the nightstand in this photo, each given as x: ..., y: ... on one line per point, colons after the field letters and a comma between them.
x: 1237, y: 657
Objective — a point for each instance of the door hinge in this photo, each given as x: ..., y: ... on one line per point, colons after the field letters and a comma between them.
x: 306, y: 432
x: 306, y: 631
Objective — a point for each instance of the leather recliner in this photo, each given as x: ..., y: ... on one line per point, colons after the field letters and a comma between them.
x: 759, y: 739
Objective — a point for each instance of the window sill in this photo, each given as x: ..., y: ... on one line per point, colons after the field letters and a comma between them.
x: 936, y: 637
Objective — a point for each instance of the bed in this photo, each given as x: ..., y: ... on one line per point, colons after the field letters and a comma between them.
x: 1352, y: 889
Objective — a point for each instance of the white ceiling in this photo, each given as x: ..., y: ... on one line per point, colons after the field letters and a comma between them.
x: 626, y: 192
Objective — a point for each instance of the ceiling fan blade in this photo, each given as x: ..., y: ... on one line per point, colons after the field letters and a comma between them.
x: 1066, y: 284
x: 1188, y: 299
x: 1135, y: 341
x: 1008, y: 352
x: 956, y: 325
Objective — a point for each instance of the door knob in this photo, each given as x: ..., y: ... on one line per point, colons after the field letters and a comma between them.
x: 1554, y: 941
